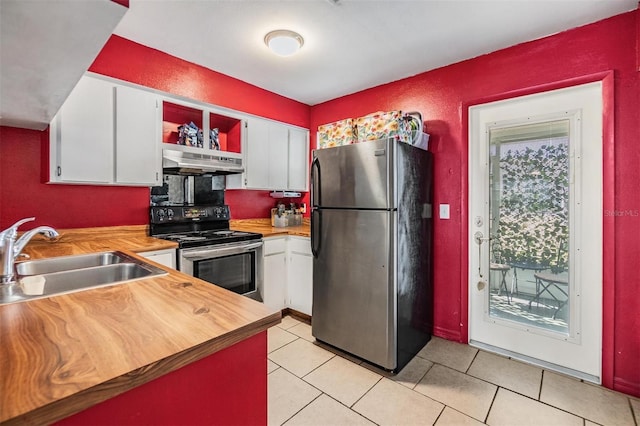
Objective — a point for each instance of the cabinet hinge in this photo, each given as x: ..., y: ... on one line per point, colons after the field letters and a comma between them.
x: 245, y: 181
x: 59, y: 171
x: 246, y: 125
x: 156, y: 176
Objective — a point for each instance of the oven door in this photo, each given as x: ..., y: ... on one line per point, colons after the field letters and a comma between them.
x: 234, y: 266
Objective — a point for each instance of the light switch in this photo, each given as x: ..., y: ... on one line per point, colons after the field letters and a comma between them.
x: 444, y: 211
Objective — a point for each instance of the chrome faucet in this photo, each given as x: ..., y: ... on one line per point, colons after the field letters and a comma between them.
x: 10, y: 249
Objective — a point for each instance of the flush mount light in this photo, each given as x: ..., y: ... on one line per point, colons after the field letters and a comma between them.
x: 284, y: 42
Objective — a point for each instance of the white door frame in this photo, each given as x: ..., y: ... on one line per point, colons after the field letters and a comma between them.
x: 489, y: 332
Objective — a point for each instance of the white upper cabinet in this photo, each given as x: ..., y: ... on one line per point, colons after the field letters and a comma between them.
x: 276, y: 157
x: 138, y: 157
x: 278, y: 160
x: 112, y: 133
x: 256, y: 164
x: 298, y: 179
x: 105, y: 133
x: 82, y: 134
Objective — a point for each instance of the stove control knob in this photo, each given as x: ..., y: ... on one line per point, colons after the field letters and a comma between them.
x: 160, y: 214
x: 170, y: 213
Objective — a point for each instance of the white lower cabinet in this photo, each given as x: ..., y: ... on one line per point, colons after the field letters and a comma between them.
x: 274, y: 289
x: 288, y: 273
x: 299, y: 274
x: 163, y: 257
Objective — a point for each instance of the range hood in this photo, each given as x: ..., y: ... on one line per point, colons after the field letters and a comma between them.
x: 192, y: 164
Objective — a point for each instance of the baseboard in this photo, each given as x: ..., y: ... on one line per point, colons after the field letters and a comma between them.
x: 627, y: 387
x: 297, y: 315
x: 447, y: 334
x: 437, y: 331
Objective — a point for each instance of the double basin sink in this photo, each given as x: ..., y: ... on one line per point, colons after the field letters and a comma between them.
x: 66, y: 274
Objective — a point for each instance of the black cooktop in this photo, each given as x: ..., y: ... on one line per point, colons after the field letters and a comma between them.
x: 205, y: 238
x: 195, y: 225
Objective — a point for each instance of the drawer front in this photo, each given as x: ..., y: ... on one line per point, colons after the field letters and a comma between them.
x: 274, y: 245
x: 300, y: 245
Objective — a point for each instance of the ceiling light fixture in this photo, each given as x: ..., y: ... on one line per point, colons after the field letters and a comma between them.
x: 284, y: 42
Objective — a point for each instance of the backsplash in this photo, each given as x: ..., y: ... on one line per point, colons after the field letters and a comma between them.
x: 178, y: 189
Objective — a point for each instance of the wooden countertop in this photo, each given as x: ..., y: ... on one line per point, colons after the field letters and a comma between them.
x: 263, y: 226
x: 62, y: 354
x: 87, y: 240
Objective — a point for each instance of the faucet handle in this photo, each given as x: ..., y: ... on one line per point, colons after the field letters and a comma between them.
x: 14, y: 228
x: 22, y: 221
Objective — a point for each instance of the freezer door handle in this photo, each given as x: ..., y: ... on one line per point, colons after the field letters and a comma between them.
x: 315, y: 182
x: 316, y: 229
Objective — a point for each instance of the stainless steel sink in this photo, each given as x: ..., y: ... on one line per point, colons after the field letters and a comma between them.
x: 67, y: 263
x: 66, y: 274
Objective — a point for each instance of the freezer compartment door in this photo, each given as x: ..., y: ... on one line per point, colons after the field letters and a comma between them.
x: 353, y: 286
x: 353, y: 176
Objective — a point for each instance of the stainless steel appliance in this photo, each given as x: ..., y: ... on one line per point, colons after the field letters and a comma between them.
x: 371, y: 242
x: 208, y: 249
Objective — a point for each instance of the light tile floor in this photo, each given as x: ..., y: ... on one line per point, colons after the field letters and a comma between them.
x: 447, y: 383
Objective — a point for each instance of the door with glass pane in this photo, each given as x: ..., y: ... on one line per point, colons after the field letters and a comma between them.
x: 535, y: 244
x: 529, y: 224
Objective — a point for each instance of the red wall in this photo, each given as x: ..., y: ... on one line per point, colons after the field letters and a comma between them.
x: 22, y: 192
x: 443, y: 95
x: 63, y: 206
x: 227, y: 388
x: 129, y: 61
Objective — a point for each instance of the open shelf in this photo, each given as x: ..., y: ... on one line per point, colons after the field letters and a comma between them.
x: 173, y: 116
x: 229, y: 128
x: 229, y: 132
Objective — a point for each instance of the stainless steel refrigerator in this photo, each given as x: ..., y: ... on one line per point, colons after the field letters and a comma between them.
x: 371, y: 230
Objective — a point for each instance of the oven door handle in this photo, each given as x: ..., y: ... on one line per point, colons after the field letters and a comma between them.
x: 209, y: 253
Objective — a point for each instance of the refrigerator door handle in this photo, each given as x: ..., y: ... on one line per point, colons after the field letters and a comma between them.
x: 316, y: 222
x: 315, y: 180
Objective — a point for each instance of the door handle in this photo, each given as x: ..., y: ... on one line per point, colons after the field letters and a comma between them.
x: 479, y: 239
x: 315, y: 239
x: 315, y: 165
x: 219, y: 251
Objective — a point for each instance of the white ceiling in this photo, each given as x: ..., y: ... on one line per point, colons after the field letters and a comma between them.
x: 349, y: 45
x: 45, y: 47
